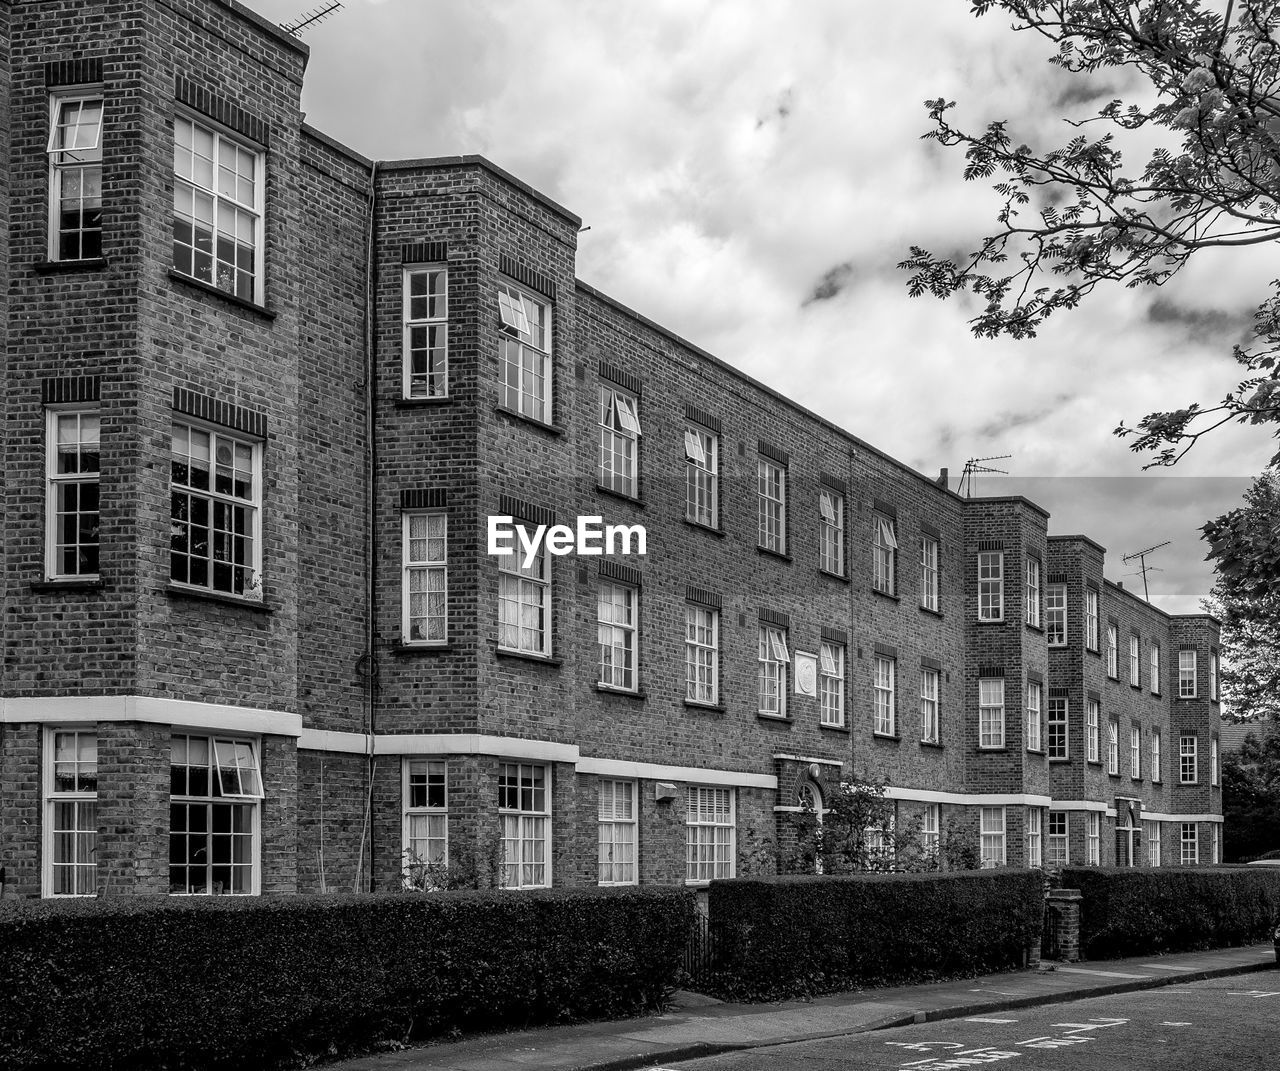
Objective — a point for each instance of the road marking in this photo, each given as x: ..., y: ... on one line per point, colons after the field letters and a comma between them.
x: 991, y: 1020
x: 1101, y: 974
x: 1175, y: 1024
x: 1163, y: 967
x: 1257, y: 994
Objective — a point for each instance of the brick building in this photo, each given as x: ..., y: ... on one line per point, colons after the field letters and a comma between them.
x: 262, y: 397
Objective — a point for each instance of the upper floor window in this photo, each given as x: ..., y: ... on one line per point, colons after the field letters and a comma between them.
x: 215, y: 511
x: 1057, y: 728
x: 831, y: 515
x: 1135, y: 661
x: 1135, y: 752
x: 1186, y: 674
x: 991, y: 712
x: 524, y: 603
x: 1155, y: 754
x: 425, y: 301
x: 929, y: 703
x: 831, y: 683
x: 616, y: 633
x: 1091, y: 619
x: 702, y: 467
x: 1034, y: 691
x: 525, y: 352
x: 71, y: 502
x: 75, y: 177
x: 1215, y: 669
x: 886, y: 722
x: 425, y: 592
x: 771, y: 484
x: 1155, y: 669
x: 217, y: 209
x: 1093, y: 714
x: 1031, y: 613
x: 1113, y: 747
x: 1055, y: 614
x: 1188, y: 760
x: 215, y: 791
x: 702, y: 654
x: 619, y: 440
x: 1113, y: 653
x: 1213, y: 761
x: 71, y: 813
x: 991, y: 586
x: 773, y: 659
x: 929, y: 572
x: 884, y: 550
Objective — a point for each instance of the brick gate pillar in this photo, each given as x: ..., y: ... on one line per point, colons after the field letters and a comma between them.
x: 1064, y: 917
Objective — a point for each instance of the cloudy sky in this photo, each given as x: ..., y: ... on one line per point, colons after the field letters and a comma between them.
x: 751, y: 172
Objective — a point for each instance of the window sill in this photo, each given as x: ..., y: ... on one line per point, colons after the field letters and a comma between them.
x: 1093, y: 650
x: 779, y: 554
x: 936, y: 745
x: 1002, y: 750
x: 1033, y: 628
x: 533, y: 422
x: 931, y: 612
x: 1113, y: 677
x: 68, y: 584
x: 1060, y: 762
x: 1094, y: 762
x: 528, y: 656
x: 1185, y: 698
x: 1036, y: 751
x: 422, y: 403
x: 53, y: 267
x: 719, y: 533
x: 886, y: 595
x: 602, y: 489
x: 1057, y: 646
x: 762, y: 716
x: 623, y: 693
x: 257, y: 606
x: 421, y: 648
x: 893, y: 738
x: 842, y: 577
x: 715, y: 708
x: 230, y: 299
x: 1136, y: 687
x: 990, y: 621
x: 835, y: 728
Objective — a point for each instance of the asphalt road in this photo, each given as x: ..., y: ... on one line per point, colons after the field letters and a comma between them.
x: 1227, y: 1023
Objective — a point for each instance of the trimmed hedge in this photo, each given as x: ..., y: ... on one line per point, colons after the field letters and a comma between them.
x: 228, y: 982
x: 1135, y: 912
x: 776, y: 938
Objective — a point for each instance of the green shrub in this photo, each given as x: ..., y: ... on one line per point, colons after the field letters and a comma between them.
x: 776, y: 938
x: 211, y: 983
x: 1135, y: 912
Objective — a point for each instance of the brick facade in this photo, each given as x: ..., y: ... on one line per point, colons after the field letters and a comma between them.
x: 309, y: 670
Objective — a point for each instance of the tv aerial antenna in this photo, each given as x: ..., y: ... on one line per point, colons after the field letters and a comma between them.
x: 310, y: 18
x: 1143, y: 567
x: 975, y: 465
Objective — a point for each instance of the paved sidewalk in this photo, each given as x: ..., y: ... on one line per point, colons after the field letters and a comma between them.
x: 700, y: 1026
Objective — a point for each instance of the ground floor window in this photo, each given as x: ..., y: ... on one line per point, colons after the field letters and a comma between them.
x: 1035, y: 845
x: 616, y: 802
x: 71, y: 815
x: 1190, y: 845
x: 992, y: 837
x: 426, y: 814
x: 1215, y: 854
x: 930, y: 831
x: 1093, y: 839
x: 215, y: 791
x: 710, y: 827
x: 526, y: 825
x: 1151, y: 830
x: 1059, y: 850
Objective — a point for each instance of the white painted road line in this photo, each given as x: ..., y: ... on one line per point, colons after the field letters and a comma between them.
x: 991, y: 1020
x: 1175, y: 1024
x: 1101, y: 974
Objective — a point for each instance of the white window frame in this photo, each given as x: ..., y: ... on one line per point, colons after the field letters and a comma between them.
x: 1215, y: 672
x: 1215, y: 843
x: 991, y: 585
x: 1151, y: 829
x: 85, y: 163
x: 1113, y: 746
x: 1113, y: 652
x: 1059, y: 841
x: 1153, y: 667
x: 1035, y: 837
x: 1135, y: 752
x: 710, y: 833
x: 1093, y: 838
x: 1188, y: 686
x: 1033, y: 713
x: 1188, y: 759
x: 425, y: 822
x: 87, y: 430
x: 831, y: 531
x: 702, y: 472
x: 1055, y: 615
x: 1156, y: 757
x: 771, y: 493
x: 1135, y: 661
x: 424, y: 576
x: 702, y: 654
x: 831, y: 663
x: 1213, y: 762
x: 617, y: 833
x: 522, y: 590
x: 1093, y: 720
x: 250, y: 796
x: 930, y: 705
x: 425, y: 337
x: 245, y: 577
x: 189, y: 186
x: 1057, y: 742
x: 525, y: 814
x: 884, y: 554
x: 80, y: 864
x: 618, y: 634
x: 525, y: 352
x: 929, y: 573
x: 884, y: 691
x: 991, y: 837
x: 1031, y: 593
x: 1091, y: 619
x: 1189, y: 839
x: 991, y: 711
x: 931, y: 830
x: 772, y: 656
x: 618, y: 417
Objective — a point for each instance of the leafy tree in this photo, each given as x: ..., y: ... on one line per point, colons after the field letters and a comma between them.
x: 1251, y: 795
